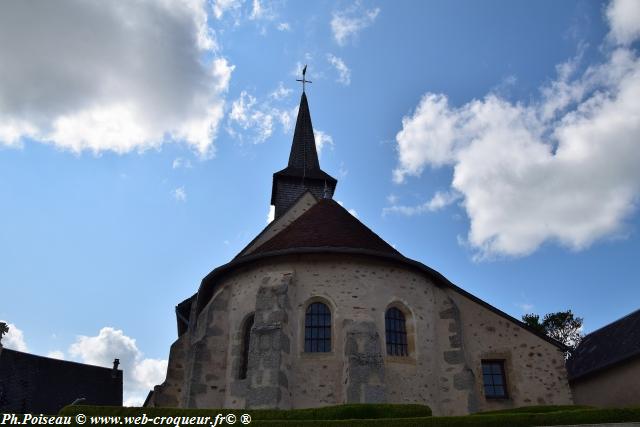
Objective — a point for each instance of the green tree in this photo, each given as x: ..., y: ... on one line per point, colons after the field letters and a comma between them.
x: 562, y: 326
x: 3, y: 330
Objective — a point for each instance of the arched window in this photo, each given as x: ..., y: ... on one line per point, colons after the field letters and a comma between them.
x: 396, y: 331
x: 246, y: 337
x: 317, y: 328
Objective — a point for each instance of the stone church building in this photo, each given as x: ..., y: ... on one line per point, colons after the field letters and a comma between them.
x: 319, y: 310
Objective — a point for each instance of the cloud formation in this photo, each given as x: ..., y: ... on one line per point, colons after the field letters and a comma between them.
x: 439, y: 201
x: 179, y: 194
x: 347, y: 23
x: 344, y: 73
x: 323, y: 140
x: 220, y: 7
x: 100, y: 76
x: 256, y: 120
x: 14, y: 339
x: 140, y: 374
x: 562, y: 169
x: 624, y: 17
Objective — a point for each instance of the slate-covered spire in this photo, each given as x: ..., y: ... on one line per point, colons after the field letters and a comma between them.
x: 303, y: 172
x: 303, y: 149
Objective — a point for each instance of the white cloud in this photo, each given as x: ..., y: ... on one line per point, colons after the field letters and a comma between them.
x: 255, y: 120
x: 286, y: 118
x: 220, y: 7
x: 56, y: 354
x: 246, y: 114
x: 179, y: 162
x: 563, y: 169
x: 344, y: 73
x: 99, y: 76
x: 439, y: 201
x: 272, y: 214
x: 280, y: 92
x: 257, y: 11
x: 14, y: 339
x: 624, y: 17
x: 346, y: 24
x: 343, y: 171
x: 322, y: 140
x: 180, y: 194
x: 140, y: 374
x: 283, y: 26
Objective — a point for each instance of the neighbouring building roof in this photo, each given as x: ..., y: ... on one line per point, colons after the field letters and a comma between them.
x: 328, y: 225
x: 612, y: 344
x: 37, y: 384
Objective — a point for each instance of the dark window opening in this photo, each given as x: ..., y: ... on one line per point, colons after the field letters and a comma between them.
x: 494, y: 380
x: 396, y: 332
x: 317, y: 328
x: 246, y: 337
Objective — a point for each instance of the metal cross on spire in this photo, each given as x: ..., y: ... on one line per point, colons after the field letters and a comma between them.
x: 304, y: 80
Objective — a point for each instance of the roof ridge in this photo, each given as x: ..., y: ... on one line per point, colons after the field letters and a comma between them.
x: 302, y: 235
x: 601, y: 328
x: 272, y: 224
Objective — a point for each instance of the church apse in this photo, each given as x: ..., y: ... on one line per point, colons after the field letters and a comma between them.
x: 431, y: 348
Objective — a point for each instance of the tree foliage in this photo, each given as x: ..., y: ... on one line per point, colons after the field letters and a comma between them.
x: 562, y: 326
x: 3, y: 330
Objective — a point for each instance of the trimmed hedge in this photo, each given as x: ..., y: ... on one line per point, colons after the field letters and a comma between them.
x: 536, y: 409
x: 299, y: 417
x: 588, y: 416
x: 338, y: 412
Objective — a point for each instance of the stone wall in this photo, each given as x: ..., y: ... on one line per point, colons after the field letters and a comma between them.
x: 610, y: 387
x: 449, y: 335
x: 535, y: 370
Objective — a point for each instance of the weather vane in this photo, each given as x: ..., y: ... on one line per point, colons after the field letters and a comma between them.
x: 304, y: 80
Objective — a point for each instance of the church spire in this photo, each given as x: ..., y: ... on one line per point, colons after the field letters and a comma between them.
x: 303, y: 154
x: 303, y: 171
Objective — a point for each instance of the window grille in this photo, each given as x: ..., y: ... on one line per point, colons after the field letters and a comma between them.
x: 493, y: 377
x: 317, y: 328
x: 396, y: 332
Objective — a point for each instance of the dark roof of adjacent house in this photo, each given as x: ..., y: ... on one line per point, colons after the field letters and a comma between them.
x: 326, y: 225
x: 612, y: 344
x: 37, y: 384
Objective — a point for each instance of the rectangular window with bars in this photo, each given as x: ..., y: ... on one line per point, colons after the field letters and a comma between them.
x: 494, y: 379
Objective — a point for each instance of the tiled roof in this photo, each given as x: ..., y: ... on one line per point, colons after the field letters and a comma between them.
x: 326, y: 225
x: 607, y: 346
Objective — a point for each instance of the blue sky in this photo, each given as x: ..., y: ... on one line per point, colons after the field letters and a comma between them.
x: 495, y: 141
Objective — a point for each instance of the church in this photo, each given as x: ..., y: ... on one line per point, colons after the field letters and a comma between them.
x: 319, y: 310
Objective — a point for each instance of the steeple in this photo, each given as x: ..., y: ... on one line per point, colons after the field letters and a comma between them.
x: 303, y: 149
x: 303, y: 172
